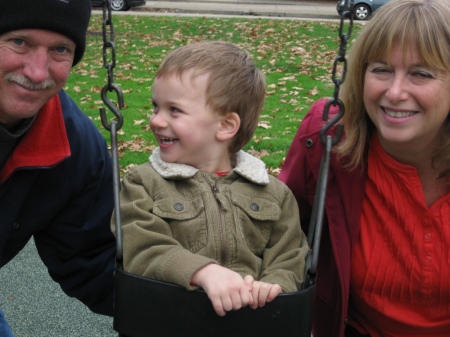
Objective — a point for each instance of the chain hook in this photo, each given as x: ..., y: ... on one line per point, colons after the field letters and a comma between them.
x: 333, y: 121
x: 111, y: 106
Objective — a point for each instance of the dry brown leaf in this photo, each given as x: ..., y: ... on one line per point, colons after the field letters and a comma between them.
x: 313, y: 92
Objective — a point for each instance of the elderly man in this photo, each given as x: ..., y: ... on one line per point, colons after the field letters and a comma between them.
x: 55, y: 169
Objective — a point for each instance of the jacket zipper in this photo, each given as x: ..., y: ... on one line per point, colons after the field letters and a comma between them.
x: 215, y: 190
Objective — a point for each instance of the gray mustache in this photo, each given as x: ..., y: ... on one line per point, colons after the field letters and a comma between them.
x: 28, y: 84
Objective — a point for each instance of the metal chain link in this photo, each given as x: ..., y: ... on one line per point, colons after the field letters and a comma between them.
x: 108, y: 45
x: 340, y: 59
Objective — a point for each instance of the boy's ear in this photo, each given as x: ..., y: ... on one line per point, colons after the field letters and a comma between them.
x: 229, y: 126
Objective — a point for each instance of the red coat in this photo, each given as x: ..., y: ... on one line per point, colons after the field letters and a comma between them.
x: 343, y: 204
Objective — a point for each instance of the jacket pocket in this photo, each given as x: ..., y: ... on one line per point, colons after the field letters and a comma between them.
x: 186, y: 218
x: 255, y: 217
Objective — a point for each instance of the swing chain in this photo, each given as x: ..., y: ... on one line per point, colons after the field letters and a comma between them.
x: 108, y: 45
x: 317, y: 212
x: 113, y: 126
x: 340, y: 59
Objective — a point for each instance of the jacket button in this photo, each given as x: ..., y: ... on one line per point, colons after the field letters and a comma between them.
x: 254, y: 207
x: 309, y: 143
x: 15, y: 225
x: 178, y: 206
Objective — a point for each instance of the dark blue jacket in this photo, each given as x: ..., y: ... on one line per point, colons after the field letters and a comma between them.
x: 57, y: 187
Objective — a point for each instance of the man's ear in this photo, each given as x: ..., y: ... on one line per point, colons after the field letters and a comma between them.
x: 229, y: 126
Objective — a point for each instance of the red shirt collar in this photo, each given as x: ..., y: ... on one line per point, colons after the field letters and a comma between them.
x: 45, y: 144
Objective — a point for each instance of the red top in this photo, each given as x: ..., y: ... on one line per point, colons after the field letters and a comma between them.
x: 400, y: 275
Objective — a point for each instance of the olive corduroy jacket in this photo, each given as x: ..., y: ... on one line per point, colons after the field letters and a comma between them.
x: 176, y: 220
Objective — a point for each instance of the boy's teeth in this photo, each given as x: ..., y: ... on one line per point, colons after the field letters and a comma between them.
x: 167, y: 140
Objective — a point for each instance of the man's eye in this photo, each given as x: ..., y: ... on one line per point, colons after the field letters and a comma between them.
x: 18, y: 42
x: 61, y: 49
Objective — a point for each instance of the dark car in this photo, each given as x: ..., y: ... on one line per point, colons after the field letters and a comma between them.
x: 119, y: 5
x: 362, y: 9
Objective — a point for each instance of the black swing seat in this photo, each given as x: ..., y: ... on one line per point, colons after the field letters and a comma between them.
x: 149, y: 308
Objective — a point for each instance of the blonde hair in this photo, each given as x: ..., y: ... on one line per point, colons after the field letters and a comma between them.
x: 234, y: 82
x: 424, y: 24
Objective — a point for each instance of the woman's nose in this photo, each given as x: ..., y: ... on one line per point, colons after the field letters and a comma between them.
x: 397, y: 90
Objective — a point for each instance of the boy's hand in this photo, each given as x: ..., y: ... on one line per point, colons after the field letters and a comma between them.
x: 262, y: 292
x: 225, y: 288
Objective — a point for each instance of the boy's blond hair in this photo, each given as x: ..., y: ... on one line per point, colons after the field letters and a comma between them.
x: 235, y: 84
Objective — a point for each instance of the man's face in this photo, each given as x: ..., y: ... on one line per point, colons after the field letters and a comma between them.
x: 34, y: 66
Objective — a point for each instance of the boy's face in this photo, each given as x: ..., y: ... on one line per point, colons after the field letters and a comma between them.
x: 184, y: 126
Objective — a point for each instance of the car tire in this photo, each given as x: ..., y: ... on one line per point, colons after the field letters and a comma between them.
x: 119, y: 5
x: 361, y: 12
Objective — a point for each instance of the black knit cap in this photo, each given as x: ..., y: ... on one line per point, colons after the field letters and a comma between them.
x: 66, y: 17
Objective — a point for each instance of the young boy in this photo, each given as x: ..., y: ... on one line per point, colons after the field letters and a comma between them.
x: 204, y: 213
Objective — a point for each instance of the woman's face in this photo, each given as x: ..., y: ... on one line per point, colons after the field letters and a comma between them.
x: 407, y: 101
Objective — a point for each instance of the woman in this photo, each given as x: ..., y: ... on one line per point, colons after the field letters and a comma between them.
x: 384, y: 265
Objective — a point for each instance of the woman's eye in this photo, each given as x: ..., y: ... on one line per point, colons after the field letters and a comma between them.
x: 423, y: 74
x: 380, y: 70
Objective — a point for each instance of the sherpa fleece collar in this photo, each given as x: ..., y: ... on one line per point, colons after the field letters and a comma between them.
x: 247, y: 166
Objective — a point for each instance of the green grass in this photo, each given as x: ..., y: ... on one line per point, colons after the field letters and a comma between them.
x: 296, y: 57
